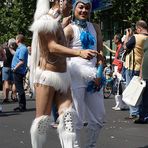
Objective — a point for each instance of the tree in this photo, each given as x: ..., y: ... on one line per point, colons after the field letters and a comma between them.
x: 16, y: 17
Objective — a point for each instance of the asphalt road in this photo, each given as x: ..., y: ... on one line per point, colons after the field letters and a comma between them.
x: 117, y: 132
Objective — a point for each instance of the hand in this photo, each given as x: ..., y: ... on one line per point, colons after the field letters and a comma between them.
x: 88, y: 54
x: 13, y: 69
x: 97, y: 81
x: 66, y: 21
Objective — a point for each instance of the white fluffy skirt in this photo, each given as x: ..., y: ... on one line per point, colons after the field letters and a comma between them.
x: 60, y: 81
x: 78, y: 70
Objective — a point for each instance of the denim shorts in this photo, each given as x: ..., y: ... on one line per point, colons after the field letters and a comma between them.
x: 7, y: 74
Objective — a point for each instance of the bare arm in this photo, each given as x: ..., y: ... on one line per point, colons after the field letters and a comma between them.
x: 112, y: 51
x: 12, y: 51
x: 100, y: 59
x: 128, y: 36
x: 56, y: 48
x: 21, y: 62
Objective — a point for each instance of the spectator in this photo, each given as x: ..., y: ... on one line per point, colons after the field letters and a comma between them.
x: 134, y: 47
x: 118, y: 65
x: 19, y: 64
x: 2, y: 59
x: 7, y: 75
x: 143, y: 108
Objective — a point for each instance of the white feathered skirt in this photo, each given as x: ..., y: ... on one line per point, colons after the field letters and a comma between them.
x: 59, y: 81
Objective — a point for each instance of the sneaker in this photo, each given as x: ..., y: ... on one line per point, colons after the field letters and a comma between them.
x: 54, y: 125
x: 116, y: 108
x: 19, y: 109
x: 5, y: 101
x: 131, y: 117
x: 141, y: 121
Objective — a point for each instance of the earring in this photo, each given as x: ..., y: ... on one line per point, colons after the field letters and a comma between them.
x: 61, y: 5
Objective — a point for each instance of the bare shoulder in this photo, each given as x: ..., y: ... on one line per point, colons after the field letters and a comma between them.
x: 68, y: 30
x: 96, y: 26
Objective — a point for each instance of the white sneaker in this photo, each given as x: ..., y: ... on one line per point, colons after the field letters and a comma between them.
x: 116, y: 108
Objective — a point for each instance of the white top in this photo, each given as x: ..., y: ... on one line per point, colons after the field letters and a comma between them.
x: 82, y: 70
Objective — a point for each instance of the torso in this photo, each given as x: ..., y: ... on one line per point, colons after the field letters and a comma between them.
x: 53, y: 62
x: 76, y: 42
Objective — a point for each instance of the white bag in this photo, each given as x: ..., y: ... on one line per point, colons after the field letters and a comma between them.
x: 132, y: 94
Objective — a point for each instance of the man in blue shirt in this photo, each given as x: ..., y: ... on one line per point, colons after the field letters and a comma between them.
x: 19, y: 64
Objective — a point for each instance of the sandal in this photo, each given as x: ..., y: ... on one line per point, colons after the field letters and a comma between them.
x: 14, y: 99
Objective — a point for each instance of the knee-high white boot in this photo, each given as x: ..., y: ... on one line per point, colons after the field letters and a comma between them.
x: 66, y: 128
x: 39, y: 130
x: 92, y: 136
x: 119, y: 102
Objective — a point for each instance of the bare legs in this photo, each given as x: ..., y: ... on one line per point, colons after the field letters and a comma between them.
x: 39, y: 128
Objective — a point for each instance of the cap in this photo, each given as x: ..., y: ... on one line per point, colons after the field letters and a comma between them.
x: 75, y: 2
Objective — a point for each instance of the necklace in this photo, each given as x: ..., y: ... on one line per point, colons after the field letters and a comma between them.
x: 81, y: 23
x: 54, y: 12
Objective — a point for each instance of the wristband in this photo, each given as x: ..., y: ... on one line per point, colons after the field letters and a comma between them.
x: 79, y: 53
x: 100, y: 71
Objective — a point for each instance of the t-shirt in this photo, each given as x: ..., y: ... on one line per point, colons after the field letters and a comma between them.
x: 20, y: 54
x: 9, y: 56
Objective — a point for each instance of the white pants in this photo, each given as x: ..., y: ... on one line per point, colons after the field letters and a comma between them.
x: 89, y: 106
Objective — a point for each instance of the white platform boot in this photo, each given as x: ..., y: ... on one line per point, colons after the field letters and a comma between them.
x: 66, y: 128
x: 39, y: 131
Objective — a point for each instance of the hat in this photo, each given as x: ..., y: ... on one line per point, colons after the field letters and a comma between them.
x: 75, y: 2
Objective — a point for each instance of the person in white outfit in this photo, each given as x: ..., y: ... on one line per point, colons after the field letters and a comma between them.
x: 88, y: 100
x: 118, y: 64
x: 48, y: 72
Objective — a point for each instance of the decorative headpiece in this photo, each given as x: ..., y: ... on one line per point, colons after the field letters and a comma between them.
x: 75, y: 2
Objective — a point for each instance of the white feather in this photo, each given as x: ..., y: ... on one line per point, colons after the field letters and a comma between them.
x: 42, y: 8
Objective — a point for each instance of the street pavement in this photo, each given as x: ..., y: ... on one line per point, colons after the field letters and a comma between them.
x: 116, y: 133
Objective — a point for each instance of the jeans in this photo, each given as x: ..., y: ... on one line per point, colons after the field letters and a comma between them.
x: 134, y: 110
x: 18, y: 80
x: 143, y: 108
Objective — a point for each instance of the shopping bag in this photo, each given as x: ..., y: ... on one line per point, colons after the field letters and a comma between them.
x: 132, y: 94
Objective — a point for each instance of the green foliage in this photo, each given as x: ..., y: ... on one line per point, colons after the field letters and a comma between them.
x: 129, y: 10
x: 16, y: 17
x: 123, y: 14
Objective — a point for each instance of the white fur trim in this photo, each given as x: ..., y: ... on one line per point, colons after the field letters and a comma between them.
x: 42, y: 8
x: 39, y: 130
x: 66, y: 128
x: 45, y: 24
x: 60, y: 81
x: 86, y: 71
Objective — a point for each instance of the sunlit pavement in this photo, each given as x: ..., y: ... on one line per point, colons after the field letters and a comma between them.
x: 117, y: 132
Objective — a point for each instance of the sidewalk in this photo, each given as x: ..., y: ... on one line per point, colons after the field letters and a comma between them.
x: 117, y: 132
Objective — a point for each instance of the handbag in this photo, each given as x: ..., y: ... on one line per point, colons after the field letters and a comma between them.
x: 132, y: 95
x: 119, y: 64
